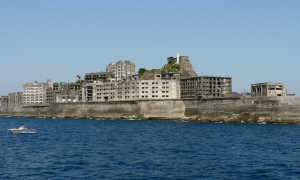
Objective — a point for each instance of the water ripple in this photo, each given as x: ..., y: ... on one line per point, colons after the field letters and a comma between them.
x: 120, y: 149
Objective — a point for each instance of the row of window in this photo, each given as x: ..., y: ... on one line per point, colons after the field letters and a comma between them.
x: 145, y: 96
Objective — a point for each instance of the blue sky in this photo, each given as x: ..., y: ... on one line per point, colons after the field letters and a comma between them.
x: 252, y: 41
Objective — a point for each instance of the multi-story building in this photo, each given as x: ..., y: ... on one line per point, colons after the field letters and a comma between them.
x: 210, y: 86
x: 15, y: 98
x: 35, y: 92
x: 268, y: 89
x: 163, y: 86
x: 4, y: 100
x: 98, y: 76
x: 121, y: 70
x: 64, y: 92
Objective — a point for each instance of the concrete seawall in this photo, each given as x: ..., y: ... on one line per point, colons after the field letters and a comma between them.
x: 159, y: 109
x: 245, y: 109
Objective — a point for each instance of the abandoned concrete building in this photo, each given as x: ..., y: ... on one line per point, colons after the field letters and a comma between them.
x: 4, y: 101
x: 15, y: 98
x: 163, y: 86
x: 268, y: 89
x: 121, y: 69
x: 35, y: 92
x: 210, y: 86
x: 64, y: 92
x: 98, y: 76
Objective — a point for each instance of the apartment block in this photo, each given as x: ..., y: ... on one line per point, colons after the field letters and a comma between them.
x: 15, y: 98
x: 98, y: 76
x: 35, y: 92
x: 163, y: 86
x: 210, y: 86
x: 64, y: 92
x: 121, y: 70
x: 4, y: 100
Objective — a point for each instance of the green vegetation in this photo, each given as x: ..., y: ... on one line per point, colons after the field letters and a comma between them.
x: 175, y: 66
x: 141, y: 72
x: 80, y: 82
x: 167, y: 68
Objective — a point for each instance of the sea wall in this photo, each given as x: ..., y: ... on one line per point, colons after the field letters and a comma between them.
x: 238, y: 109
x: 146, y: 109
x: 281, y: 109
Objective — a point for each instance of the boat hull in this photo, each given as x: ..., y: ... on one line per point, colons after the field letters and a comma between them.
x: 16, y: 131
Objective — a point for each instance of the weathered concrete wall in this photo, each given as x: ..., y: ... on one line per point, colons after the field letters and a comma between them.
x: 245, y: 109
x: 242, y: 109
x: 157, y: 109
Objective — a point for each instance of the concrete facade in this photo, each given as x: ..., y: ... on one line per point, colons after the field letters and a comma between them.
x: 64, y: 92
x: 15, y: 98
x: 121, y: 69
x: 268, y: 89
x: 210, y: 86
x: 163, y: 86
x: 4, y: 100
x: 35, y: 92
x: 98, y: 76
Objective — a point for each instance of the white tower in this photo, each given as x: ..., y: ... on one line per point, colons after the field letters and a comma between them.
x: 177, y: 57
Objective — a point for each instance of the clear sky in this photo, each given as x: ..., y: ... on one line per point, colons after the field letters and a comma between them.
x: 253, y: 41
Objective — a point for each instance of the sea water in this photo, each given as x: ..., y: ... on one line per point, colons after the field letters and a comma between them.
x: 140, y: 149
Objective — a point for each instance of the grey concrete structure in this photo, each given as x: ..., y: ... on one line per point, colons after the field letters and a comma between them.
x: 64, y: 92
x: 268, y: 89
x: 209, y: 86
x: 15, y: 98
x: 4, y: 100
x: 121, y: 69
x: 35, y: 92
x: 98, y: 76
x: 163, y: 86
x: 272, y: 109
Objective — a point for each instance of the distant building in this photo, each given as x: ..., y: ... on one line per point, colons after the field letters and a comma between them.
x: 210, y: 86
x: 268, y: 89
x: 4, y: 100
x: 98, y: 76
x: 163, y: 86
x: 121, y: 70
x: 15, y: 98
x: 64, y: 92
x: 35, y: 92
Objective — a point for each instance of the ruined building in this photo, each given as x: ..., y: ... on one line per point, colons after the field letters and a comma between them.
x: 268, y: 89
x: 64, y: 92
x: 209, y: 86
x: 98, y: 76
x: 162, y: 86
x: 121, y: 69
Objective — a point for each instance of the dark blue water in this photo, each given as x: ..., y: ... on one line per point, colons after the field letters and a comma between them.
x: 123, y: 149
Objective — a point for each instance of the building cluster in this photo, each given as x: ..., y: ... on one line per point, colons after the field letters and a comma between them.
x: 120, y: 83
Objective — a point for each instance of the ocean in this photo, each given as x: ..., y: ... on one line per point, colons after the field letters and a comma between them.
x: 148, y: 149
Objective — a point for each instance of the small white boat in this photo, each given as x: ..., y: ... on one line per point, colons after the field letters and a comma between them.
x: 22, y: 130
